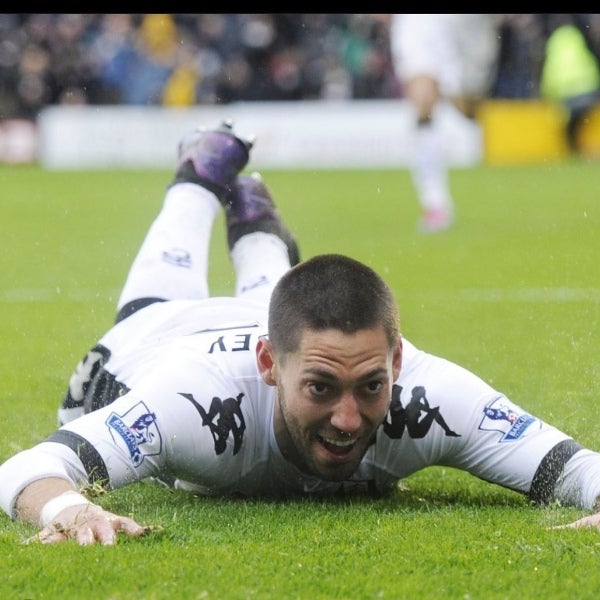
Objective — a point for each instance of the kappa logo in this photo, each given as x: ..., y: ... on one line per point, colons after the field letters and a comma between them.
x: 417, y: 417
x: 136, y: 432
x: 503, y: 416
x: 223, y: 417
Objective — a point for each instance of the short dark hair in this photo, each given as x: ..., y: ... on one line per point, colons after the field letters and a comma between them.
x: 330, y: 291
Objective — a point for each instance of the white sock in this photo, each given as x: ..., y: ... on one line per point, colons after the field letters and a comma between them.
x: 429, y: 169
x: 172, y: 262
x: 259, y: 260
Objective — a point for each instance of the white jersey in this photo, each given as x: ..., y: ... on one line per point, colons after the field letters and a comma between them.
x: 193, y: 409
x: 460, y: 51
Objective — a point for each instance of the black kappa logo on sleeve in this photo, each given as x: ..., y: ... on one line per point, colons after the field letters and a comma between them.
x: 223, y: 417
x: 417, y: 417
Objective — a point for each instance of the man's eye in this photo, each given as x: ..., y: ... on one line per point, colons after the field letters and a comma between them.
x: 374, y: 386
x: 319, y: 388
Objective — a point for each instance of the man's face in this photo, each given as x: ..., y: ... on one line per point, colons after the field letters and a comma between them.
x: 333, y: 393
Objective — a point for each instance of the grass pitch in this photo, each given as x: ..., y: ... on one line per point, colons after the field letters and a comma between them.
x: 512, y: 292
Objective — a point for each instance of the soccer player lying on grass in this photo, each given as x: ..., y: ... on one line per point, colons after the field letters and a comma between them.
x: 198, y: 392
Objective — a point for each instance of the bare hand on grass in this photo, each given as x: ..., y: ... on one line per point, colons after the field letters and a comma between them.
x: 88, y: 525
x: 590, y: 521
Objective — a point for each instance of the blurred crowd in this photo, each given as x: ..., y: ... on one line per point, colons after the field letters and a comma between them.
x: 187, y: 59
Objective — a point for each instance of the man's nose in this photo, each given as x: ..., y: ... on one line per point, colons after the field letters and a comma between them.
x: 346, y: 414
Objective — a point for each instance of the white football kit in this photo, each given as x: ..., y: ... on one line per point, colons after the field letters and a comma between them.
x: 173, y: 392
x: 194, y: 409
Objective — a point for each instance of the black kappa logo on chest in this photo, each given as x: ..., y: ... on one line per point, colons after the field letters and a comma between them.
x: 223, y: 417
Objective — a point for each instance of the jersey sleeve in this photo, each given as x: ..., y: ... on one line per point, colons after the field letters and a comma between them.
x: 184, y: 417
x: 442, y: 414
x: 43, y: 460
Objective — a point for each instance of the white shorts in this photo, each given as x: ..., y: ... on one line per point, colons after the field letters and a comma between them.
x: 129, y: 346
x: 459, y: 51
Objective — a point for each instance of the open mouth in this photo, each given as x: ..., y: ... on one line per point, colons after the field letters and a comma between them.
x: 337, y: 447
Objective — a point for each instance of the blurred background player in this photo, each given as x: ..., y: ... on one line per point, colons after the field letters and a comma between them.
x: 436, y: 57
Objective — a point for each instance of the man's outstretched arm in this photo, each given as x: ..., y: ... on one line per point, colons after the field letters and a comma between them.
x: 64, y: 513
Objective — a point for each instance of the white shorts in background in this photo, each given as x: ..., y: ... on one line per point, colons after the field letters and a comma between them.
x: 459, y: 51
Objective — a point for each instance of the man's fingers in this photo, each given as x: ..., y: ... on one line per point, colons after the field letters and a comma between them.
x: 132, y: 528
x: 591, y: 521
x: 100, y: 527
x: 104, y: 530
x: 85, y: 536
x: 48, y: 535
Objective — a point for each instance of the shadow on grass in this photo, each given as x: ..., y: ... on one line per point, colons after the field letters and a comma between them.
x: 421, y: 495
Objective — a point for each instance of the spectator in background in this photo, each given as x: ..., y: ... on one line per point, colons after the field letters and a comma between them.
x: 70, y: 68
x: 44, y: 61
x: 365, y: 49
x: 571, y: 71
x: 111, y: 36
x: 34, y: 83
x: 187, y: 59
x: 521, y: 54
x: 436, y: 57
x: 180, y: 87
x: 279, y: 57
x: 141, y: 67
x: 48, y: 59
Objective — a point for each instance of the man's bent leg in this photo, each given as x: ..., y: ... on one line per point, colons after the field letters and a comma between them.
x: 173, y: 260
x: 262, y: 248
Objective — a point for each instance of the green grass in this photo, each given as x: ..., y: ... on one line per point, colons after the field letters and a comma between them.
x: 512, y: 293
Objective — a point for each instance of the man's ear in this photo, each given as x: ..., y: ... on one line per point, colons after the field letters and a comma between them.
x: 265, y: 359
